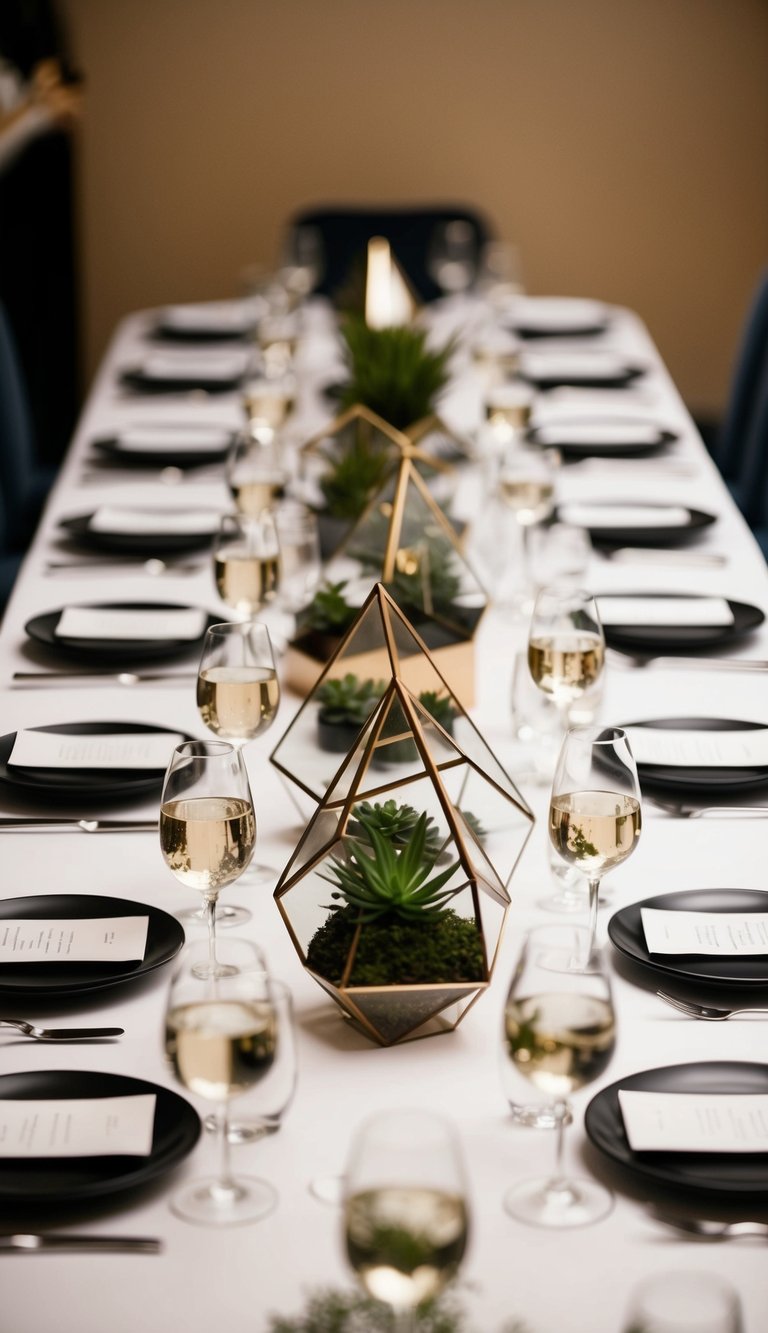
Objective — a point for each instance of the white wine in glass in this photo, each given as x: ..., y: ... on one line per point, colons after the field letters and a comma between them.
x: 247, y: 562
x: 566, y: 645
x: 594, y: 811
x: 207, y: 825
x: 405, y: 1212
x: 256, y: 475
x: 526, y: 485
x: 559, y: 1033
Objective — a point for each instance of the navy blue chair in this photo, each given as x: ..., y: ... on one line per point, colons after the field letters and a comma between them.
x: 24, y: 483
x: 344, y: 232
x: 737, y: 439
x: 753, y: 484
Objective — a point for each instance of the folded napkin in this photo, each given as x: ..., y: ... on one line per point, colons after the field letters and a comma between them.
x: 218, y: 316
x: 667, y: 611
x: 699, y: 749
x: 148, y: 439
x: 118, y: 750
x: 599, y: 433
x: 154, y: 522
x: 579, y: 365
x: 86, y: 622
x: 624, y: 515
x: 194, y: 366
x: 557, y: 312
x: 695, y: 1121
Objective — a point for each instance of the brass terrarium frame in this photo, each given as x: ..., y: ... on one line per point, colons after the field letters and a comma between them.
x: 440, y: 772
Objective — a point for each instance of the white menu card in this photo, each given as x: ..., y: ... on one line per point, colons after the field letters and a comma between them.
x: 597, y: 433
x: 86, y: 622
x: 694, y: 1121
x: 700, y: 749
x: 728, y: 934
x: 153, y: 522
x: 624, y: 515
x: 196, y: 365
x: 49, y: 749
x: 160, y: 439
x: 674, y: 611
x: 78, y: 1127
x: 113, y: 939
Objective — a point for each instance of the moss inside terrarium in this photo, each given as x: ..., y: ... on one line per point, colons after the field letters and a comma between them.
x: 392, y: 952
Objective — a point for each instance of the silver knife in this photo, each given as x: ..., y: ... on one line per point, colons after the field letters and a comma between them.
x: 32, y: 1243
x: 18, y: 825
x: 641, y: 660
x: 26, y: 679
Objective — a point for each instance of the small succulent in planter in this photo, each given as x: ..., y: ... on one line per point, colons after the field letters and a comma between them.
x: 396, y: 823
x: 352, y: 477
x: 393, y: 372
x: 329, y: 612
x: 345, y: 706
x: 439, y: 706
x: 391, y: 912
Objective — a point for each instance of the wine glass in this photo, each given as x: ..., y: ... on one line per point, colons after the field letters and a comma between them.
x: 594, y: 809
x: 526, y: 485
x: 207, y: 827
x: 405, y: 1209
x: 238, y: 695
x: 684, y: 1302
x: 223, y: 1035
x: 566, y: 645
x: 300, y: 561
x: 267, y: 403
x: 508, y: 409
x: 303, y: 260
x: 452, y: 256
x: 560, y: 1028
x: 246, y: 558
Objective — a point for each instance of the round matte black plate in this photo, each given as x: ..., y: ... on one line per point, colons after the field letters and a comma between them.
x: 623, y: 375
x: 42, y: 629
x: 625, y: 930
x: 556, y: 437
x: 555, y: 330
x: 56, y: 1180
x: 681, y: 638
x: 165, y: 938
x: 172, y: 456
x: 678, y: 779
x: 723, y: 1174
x: 53, y: 785
x: 143, y: 383
x: 174, y: 333
x: 672, y: 535
x: 145, y: 543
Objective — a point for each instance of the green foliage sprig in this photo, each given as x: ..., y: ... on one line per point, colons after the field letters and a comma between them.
x: 393, y: 372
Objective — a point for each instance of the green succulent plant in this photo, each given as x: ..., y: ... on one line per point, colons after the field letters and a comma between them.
x: 440, y: 707
x: 391, y: 882
x: 397, y: 823
x: 352, y: 477
x: 348, y: 699
x: 329, y: 611
x: 393, y: 372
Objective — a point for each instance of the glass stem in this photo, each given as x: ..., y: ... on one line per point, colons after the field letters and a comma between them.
x: 226, y: 1181
x: 404, y: 1319
x: 594, y: 893
x: 210, y: 918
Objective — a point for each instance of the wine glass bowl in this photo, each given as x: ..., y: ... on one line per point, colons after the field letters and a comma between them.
x: 247, y: 562
x: 559, y: 1033
x: 238, y: 692
x: 566, y: 645
x: 256, y: 472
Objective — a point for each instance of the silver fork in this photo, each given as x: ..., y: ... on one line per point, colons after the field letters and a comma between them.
x: 154, y: 566
x: 707, y: 1011
x: 707, y: 1229
x: 679, y: 810
x: 59, y: 1034
x: 639, y: 661
x: 31, y: 1243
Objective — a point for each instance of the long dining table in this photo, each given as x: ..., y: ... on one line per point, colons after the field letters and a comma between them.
x: 555, y: 1281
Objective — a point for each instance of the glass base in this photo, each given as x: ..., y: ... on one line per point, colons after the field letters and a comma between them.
x: 564, y: 902
x: 213, y: 972
x: 242, y: 1131
x: 529, y: 1115
x: 573, y: 1203
x: 226, y: 915
x: 327, y: 1189
x: 210, y: 1203
x: 256, y: 873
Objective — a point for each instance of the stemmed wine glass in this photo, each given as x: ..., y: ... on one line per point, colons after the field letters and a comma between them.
x: 207, y: 827
x: 526, y: 485
x: 566, y: 645
x: 223, y: 1036
x: 405, y: 1209
x: 256, y: 473
x: 238, y: 695
x: 559, y: 1029
x: 246, y: 557
x: 452, y: 256
x: 594, y: 809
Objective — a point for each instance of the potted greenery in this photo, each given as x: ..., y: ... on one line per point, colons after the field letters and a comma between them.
x: 390, y: 923
x: 393, y: 372
x: 346, y: 703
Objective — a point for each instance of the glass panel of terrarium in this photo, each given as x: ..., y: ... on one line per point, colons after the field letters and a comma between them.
x: 492, y: 917
x: 395, y: 1012
x: 477, y: 749
x: 366, y: 653
x: 504, y: 828
x: 431, y: 578
x: 307, y: 905
x: 432, y: 708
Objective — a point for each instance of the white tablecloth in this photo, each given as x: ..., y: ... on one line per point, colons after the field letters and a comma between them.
x: 558, y: 1282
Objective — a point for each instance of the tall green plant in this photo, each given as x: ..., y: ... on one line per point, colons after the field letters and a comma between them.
x: 393, y: 372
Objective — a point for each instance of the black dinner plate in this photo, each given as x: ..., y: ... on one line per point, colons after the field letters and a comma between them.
x: 38, y: 1181
x: 53, y: 785
x: 143, y: 543
x: 726, y: 1175
x: 553, y: 329
x: 167, y: 331
x: 625, y: 373
x: 625, y: 930
x: 680, y: 638
x: 59, y: 981
x: 556, y: 437
x: 138, y: 380
x: 666, y: 535
x: 175, y: 455
x: 42, y: 629
x: 693, y: 780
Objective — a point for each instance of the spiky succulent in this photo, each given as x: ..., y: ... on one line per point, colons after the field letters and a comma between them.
x: 348, y: 699
x: 393, y: 372
x: 329, y: 611
x: 391, y: 882
x: 397, y: 823
x: 440, y: 707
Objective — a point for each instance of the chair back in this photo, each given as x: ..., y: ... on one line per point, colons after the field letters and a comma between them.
x: 751, y: 369
x: 19, y: 473
x: 344, y: 232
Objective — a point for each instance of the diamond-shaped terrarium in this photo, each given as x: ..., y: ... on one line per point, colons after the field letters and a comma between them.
x: 396, y: 895
x: 404, y: 540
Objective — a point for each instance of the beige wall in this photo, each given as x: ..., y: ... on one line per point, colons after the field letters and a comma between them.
x: 622, y: 143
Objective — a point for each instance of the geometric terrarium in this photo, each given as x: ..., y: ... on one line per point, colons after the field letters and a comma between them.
x: 396, y: 895
x: 404, y: 540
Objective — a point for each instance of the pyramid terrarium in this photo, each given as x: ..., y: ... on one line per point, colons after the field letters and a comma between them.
x: 404, y: 540
x: 397, y: 893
